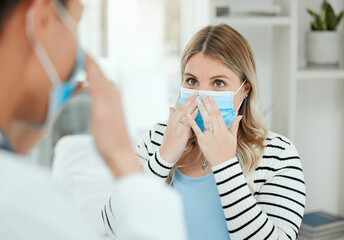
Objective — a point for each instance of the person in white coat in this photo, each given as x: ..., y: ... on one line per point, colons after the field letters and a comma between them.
x: 40, y: 61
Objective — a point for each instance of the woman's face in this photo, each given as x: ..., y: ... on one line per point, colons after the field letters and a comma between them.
x: 206, y: 73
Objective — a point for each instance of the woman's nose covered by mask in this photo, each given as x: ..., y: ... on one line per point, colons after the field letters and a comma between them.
x: 224, y: 101
x: 60, y: 92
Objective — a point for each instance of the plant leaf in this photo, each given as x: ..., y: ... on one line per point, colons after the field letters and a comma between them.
x: 324, y: 9
x: 312, y: 13
x: 331, y: 19
x: 313, y: 27
x: 339, y: 18
x: 317, y: 23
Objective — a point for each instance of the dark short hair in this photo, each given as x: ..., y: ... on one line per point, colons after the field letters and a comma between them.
x: 6, y: 9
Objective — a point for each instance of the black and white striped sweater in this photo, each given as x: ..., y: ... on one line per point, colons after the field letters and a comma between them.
x: 275, y: 210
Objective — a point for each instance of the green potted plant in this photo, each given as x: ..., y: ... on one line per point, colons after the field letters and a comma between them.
x: 324, y: 40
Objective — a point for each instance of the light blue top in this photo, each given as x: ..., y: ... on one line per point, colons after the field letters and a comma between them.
x: 202, y: 207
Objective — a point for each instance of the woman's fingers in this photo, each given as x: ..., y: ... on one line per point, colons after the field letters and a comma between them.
x: 195, y: 127
x: 205, y: 116
x: 188, y: 101
x: 187, y: 107
x: 178, y: 129
x: 235, y: 126
x: 211, y: 110
x: 217, y: 112
x: 193, y: 115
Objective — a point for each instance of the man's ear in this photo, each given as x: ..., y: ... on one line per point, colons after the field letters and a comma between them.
x: 43, y: 13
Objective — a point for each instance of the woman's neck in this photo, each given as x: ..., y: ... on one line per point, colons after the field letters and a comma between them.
x: 193, y: 166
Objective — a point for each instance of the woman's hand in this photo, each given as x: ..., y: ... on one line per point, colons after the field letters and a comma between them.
x: 218, y: 143
x: 178, y: 129
x: 108, y: 125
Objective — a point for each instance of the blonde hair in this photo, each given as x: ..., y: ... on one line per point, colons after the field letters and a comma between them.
x: 232, y: 49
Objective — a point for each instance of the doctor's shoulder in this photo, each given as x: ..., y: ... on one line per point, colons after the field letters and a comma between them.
x: 30, y: 199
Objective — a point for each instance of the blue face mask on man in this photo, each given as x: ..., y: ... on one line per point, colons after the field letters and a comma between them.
x: 4, y: 143
x: 224, y: 101
x: 60, y: 92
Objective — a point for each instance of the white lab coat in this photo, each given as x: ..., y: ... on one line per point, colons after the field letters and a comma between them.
x: 143, y: 209
x: 32, y: 206
x: 139, y: 207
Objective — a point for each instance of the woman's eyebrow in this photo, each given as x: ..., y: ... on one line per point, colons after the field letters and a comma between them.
x: 190, y: 75
x: 220, y: 76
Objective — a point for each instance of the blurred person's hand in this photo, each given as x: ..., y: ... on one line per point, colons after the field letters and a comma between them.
x: 108, y: 124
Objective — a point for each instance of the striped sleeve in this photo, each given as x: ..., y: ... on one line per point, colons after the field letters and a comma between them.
x: 109, y: 219
x: 275, y: 212
x: 149, y: 154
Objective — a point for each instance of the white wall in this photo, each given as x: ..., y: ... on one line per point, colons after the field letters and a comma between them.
x: 320, y: 142
x: 137, y: 43
x: 320, y: 129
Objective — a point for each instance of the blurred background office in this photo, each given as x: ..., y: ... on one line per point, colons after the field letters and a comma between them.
x: 138, y: 43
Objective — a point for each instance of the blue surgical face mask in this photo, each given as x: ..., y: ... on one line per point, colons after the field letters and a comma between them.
x: 60, y: 92
x: 4, y: 143
x: 224, y: 101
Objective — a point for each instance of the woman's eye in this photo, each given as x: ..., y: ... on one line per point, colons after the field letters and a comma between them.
x: 219, y: 84
x: 192, y: 81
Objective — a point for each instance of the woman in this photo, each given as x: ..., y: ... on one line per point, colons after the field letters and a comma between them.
x: 236, y: 179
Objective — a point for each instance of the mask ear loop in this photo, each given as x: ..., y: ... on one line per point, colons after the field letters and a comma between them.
x: 242, y: 100
x: 39, y: 50
x: 240, y: 87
